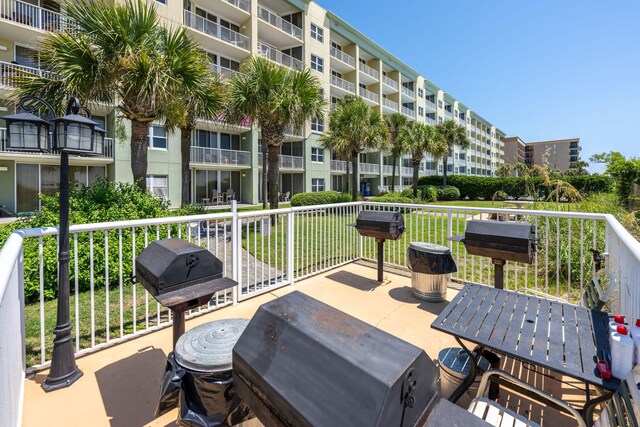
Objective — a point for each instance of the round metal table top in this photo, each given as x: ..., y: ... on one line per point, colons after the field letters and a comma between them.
x: 208, y: 347
x: 429, y: 247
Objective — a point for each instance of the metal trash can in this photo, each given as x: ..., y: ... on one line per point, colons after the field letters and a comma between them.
x: 432, y: 266
x: 455, y: 366
x: 198, y: 377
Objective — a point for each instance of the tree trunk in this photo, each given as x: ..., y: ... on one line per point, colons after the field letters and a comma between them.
x: 354, y: 177
x: 348, y: 175
x: 139, y: 134
x: 445, y: 159
x: 416, y: 168
x: 185, y: 155
x: 274, y: 175
x: 393, y: 174
x: 265, y: 181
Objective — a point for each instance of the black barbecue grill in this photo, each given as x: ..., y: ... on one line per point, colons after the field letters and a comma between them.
x: 180, y: 276
x: 501, y: 241
x: 302, y: 363
x: 381, y: 225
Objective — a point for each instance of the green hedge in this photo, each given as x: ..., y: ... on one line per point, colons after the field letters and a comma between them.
x: 481, y: 187
x: 448, y: 193
x: 392, y: 198
x: 319, y: 198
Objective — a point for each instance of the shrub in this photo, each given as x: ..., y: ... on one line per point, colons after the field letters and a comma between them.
x: 448, y: 192
x: 392, y: 198
x: 429, y: 193
x: 408, y: 193
x: 319, y: 198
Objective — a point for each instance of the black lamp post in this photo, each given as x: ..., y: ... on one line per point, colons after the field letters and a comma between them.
x: 72, y: 133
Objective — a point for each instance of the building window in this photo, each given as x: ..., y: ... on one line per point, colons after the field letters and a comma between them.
x: 317, y: 184
x: 439, y: 119
x: 420, y: 92
x: 317, y: 33
x: 317, y: 155
x: 164, y: 2
x: 420, y: 111
x: 439, y: 103
x: 157, y: 137
x: 158, y: 185
x: 317, y: 124
x: 317, y: 63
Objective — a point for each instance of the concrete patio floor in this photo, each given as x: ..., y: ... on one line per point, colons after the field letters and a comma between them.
x: 120, y: 385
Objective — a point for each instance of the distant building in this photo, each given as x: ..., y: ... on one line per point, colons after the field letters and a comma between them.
x: 562, y: 154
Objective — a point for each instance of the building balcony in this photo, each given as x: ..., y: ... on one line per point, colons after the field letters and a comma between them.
x: 287, y: 30
x: 430, y: 104
x: 10, y: 73
x: 343, y: 62
x: 367, y: 74
x: 131, y: 345
x: 223, y: 72
x: 230, y: 159
x: 430, y: 121
x: 293, y: 163
x: 390, y: 83
x: 448, y: 115
x: 342, y: 84
x: 409, y: 112
x: 279, y: 57
x: 5, y: 151
x: 388, y: 170
x: 369, y: 169
x: 34, y: 16
x: 231, y: 38
x: 408, y: 92
x: 406, y: 171
x: 374, y: 98
x: 391, y: 105
x: 340, y: 166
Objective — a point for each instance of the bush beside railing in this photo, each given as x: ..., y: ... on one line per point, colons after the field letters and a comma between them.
x: 319, y: 198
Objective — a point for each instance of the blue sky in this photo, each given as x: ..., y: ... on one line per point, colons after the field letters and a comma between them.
x: 537, y: 69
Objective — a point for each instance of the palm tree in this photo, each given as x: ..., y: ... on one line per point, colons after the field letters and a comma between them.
x: 419, y: 139
x: 206, y: 102
x: 354, y: 127
x: 505, y: 170
x: 274, y: 98
x: 453, y: 134
x: 395, y: 122
x: 117, y: 52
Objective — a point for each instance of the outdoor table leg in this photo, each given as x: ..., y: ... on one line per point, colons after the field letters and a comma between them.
x: 458, y: 392
x: 590, y: 405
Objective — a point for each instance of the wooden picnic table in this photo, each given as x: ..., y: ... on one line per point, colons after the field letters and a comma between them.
x: 559, y: 336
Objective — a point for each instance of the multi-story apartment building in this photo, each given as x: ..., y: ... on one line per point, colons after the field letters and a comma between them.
x: 293, y: 33
x: 559, y: 154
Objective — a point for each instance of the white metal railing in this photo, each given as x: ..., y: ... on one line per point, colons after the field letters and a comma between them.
x: 293, y: 131
x: 107, y: 149
x: 390, y: 104
x: 369, y: 168
x: 279, y: 57
x: 223, y: 72
x: 389, y: 82
x: 343, y: 84
x: 408, y: 92
x: 218, y: 156
x: 448, y: 114
x: 408, y: 112
x: 34, y: 16
x: 430, y: 121
x: 369, y: 95
x: 340, y: 166
x: 431, y: 104
x: 275, y: 20
x: 287, y: 162
x: 215, y: 30
x: 340, y: 55
x: 241, y: 4
x: 10, y: 74
x: 368, y: 70
x: 407, y: 171
x: 268, y: 249
x: 12, y: 333
x: 388, y: 169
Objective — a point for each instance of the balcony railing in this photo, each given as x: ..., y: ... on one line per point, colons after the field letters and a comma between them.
x: 214, y: 30
x: 431, y: 104
x: 10, y: 74
x: 223, y: 72
x: 293, y: 131
x: 287, y: 162
x: 343, y: 84
x: 369, y: 168
x: 34, y: 16
x: 388, y: 170
x: 408, y: 92
x: 430, y: 121
x: 368, y: 71
x: 218, y: 156
x: 279, y: 57
x: 340, y: 166
x: 407, y: 171
x: 369, y: 95
x: 268, y: 16
x: 448, y: 114
x: 107, y: 149
x: 241, y: 4
x: 390, y: 104
x: 409, y: 112
x: 389, y: 82
x: 341, y: 56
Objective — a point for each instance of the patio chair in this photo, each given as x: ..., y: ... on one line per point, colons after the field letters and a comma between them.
x: 285, y: 197
x: 230, y: 195
x: 216, y: 197
x: 593, y: 296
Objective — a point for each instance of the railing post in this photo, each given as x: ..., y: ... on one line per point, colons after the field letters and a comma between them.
x: 449, y: 227
x: 290, y: 242
x: 235, y: 249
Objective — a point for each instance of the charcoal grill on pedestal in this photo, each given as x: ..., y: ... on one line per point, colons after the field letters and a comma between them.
x: 300, y: 362
x: 501, y: 241
x: 180, y: 276
x: 381, y: 226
